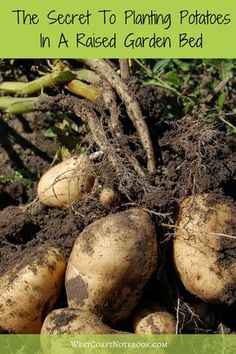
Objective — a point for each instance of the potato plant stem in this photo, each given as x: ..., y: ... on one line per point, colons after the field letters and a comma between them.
x: 124, y: 69
x: 87, y: 75
x: 54, y: 78
x: 18, y: 105
x: 79, y: 88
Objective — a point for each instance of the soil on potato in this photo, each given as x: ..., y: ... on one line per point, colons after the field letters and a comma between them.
x: 193, y: 156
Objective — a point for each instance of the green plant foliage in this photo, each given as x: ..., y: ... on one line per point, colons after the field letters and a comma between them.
x: 23, y: 176
x: 202, y: 85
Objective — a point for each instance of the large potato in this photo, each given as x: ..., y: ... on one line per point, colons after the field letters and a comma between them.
x: 64, y: 324
x: 74, y: 321
x: 111, y: 261
x: 205, y: 247
x: 66, y: 182
x: 28, y: 291
x: 154, y: 321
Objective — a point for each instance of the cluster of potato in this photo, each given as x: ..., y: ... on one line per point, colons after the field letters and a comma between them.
x: 104, y: 278
x: 113, y: 259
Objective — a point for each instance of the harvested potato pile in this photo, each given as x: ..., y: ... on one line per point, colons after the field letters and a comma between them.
x: 205, y: 249
x: 110, y: 264
x: 117, y: 196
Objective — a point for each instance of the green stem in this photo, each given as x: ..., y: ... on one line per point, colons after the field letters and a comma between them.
x: 18, y: 105
x: 79, y: 88
x: 87, y: 75
x: 28, y: 88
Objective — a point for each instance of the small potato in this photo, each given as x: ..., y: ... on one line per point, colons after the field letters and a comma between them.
x: 205, y: 247
x: 111, y: 261
x: 151, y: 321
x: 108, y: 196
x: 74, y: 321
x: 29, y: 291
x: 66, y: 182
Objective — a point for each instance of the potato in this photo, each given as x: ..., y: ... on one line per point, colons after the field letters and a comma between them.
x: 66, y: 182
x: 205, y: 247
x: 29, y: 291
x: 74, y: 321
x: 69, y: 322
x: 111, y: 261
x: 154, y: 321
x: 108, y: 196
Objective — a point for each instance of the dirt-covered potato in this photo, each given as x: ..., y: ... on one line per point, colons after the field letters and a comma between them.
x: 108, y: 196
x: 29, y: 291
x: 66, y: 182
x: 69, y: 322
x: 154, y: 321
x: 74, y: 321
x: 111, y: 261
x: 205, y: 247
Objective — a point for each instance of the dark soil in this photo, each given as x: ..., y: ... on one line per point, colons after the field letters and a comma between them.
x: 21, y: 232
x: 193, y: 156
x: 23, y: 148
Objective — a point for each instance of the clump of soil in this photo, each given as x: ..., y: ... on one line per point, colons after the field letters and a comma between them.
x: 21, y: 232
x: 24, y: 155
x: 194, y: 158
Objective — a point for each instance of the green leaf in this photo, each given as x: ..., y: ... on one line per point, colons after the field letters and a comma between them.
x: 221, y: 100
x: 50, y: 133
x: 226, y: 69
x: 173, y: 78
x: 160, y: 65
x: 25, y: 177
x: 183, y: 65
x: 230, y: 131
x: 65, y: 153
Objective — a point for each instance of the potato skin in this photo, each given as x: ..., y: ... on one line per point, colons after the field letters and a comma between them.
x: 205, y: 261
x: 108, y: 196
x: 29, y: 291
x: 151, y: 321
x: 74, y: 321
x: 111, y: 261
x: 66, y: 182
x: 69, y: 322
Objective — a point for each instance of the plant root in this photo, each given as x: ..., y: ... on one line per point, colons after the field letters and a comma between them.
x: 86, y: 111
x: 116, y: 127
x: 132, y: 106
